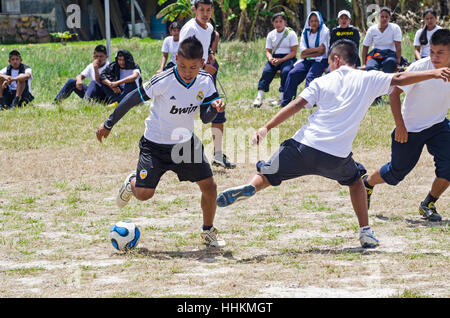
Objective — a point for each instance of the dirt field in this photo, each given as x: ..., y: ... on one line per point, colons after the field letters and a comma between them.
x: 296, y: 240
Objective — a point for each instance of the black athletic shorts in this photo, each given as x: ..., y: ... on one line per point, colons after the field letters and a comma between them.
x: 187, y: 160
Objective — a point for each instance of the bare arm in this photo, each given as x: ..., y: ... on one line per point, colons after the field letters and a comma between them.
x: 365, y: 51
x: 21, y: 77
x: 163, y: 62
x: 417, y: 52
x: 291, y: 54
x: 408, y: 78
x: 128, y: 79
x: 398, y: 51
x: 313, y: 52
x: 401, y: 134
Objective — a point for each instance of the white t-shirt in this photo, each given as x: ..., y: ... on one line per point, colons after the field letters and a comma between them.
x: 425, y: 49
x: 383, y: 40
x: 273, y: 38
x: 203, y: 35
x: 171, y: 47
x: 125, y: 73
x: 175, y: 105
x: 342, y: 98
x: 89, y: 71
x: 426, y: 103
x: 14, y: 74
x: 324, y: 39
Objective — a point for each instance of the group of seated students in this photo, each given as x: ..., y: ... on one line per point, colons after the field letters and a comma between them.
x: 316, y: 39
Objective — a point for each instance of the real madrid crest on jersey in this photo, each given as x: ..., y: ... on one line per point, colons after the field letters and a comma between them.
x: 200, y: 95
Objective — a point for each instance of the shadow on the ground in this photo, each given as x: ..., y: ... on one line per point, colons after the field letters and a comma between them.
x: 414, y: 222
x: 207, y: 255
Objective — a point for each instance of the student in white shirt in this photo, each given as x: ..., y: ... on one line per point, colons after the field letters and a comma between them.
x: 386, y: 38
x: 313, y: 52
x: 420, y: 121
x: 168, y: 143
x: 423, y: 36
x: 94, y: 91
x: 323, y: 146
x: 281, y: 49
x: 15, y: 83
x: 170, y: 46
x: 202, y: 29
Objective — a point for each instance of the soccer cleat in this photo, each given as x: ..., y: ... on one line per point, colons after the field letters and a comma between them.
x: 223, y: 162
x: 125, y: 193
x: 369, y: 191
x: 429, y: 212
x: 211, y: 238
x: 257, y: 102
x: 368, y: 239
x: 231, y: 195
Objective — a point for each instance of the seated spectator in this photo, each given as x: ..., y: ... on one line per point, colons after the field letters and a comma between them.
x: 281, y: 49
x: 345, y: 31
x: 120, y: 77
x: 15, y: 83
x: 423, y: 36
x: 386, y: 38
x: 170, y: 46
x: 93, y: 70
x: 313, y: 53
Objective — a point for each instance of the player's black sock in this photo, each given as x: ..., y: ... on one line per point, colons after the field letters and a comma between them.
x: 366, y: 183
x: 207, y: 228
x: 429, y: 199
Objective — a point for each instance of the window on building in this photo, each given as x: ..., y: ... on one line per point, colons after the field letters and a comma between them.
x: 10, y: 6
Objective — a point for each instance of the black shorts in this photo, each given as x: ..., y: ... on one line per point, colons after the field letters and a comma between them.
x: 187, y: 160
x: 294, y: 159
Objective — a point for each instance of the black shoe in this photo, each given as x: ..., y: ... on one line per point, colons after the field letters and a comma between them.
x: 429, y: 212
x: 368, y: 190
x: 15, y: 102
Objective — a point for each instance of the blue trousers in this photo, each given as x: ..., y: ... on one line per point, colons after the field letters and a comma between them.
x: 404, y: 156
x: 387, y: 64
x: 93, y: 91
x: 270, y: 71
x: 112, y: 97
x: 305, y: 70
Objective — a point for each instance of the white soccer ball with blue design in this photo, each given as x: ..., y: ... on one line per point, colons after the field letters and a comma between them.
x: 124, y: 235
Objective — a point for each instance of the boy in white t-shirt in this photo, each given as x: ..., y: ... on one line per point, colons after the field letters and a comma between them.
x: 170, y: 46
x: 313, y: 52
x: 323, y: 146
x: 281, y: 49
x: 92, y: 71
x: 177, y: 94
x: 420, y: 121
x: 423, y: 36
x: 202, y: 29
x: 386, y: 38
x: 15, y: 83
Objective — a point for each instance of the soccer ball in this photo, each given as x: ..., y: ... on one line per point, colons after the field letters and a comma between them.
x: 124, y: 235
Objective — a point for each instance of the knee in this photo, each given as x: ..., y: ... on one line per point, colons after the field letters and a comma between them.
x: 210, y: 188
x: 143, y: 194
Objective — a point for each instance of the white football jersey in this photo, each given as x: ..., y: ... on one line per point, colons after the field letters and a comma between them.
x: 175, y: 105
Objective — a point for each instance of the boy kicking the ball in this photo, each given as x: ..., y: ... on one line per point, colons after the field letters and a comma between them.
x: 324, y: 145
x: 421, y: 121
x: 168, y: 142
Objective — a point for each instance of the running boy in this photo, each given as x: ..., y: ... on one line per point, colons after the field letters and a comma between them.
x: 92, y: 71
x: 324, y: 145
x: 202, y: 30
x: 168, y: 142
x: 421, y: 121
x: 15, y: 83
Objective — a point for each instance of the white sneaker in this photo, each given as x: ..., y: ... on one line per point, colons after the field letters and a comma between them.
x: 211, y: 238
x: 367, y: 239
x: 257, y: 102
x: 125, y: 193
x: 276, y: 103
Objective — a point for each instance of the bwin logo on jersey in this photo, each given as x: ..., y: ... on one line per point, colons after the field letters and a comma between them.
x: 186, y: 110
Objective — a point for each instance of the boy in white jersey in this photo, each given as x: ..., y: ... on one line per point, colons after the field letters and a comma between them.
x: 421, y: 121
x: 324, y: 145
x: 168, y: 142
x: 202, y: 30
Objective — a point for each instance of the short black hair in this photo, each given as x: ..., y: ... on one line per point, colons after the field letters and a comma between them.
x: 175, y: 25
x: 14, y: 53
x: 191, y: 48
x: 279, y: 14
x: 386, y: 9
x: 345, y: 49
x: 441, y: 37
x: 197, y: 2
x: 101, y: 49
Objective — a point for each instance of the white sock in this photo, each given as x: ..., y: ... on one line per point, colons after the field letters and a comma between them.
x: 261, y: 94
x: 366, y: 229
x: 281, y: 95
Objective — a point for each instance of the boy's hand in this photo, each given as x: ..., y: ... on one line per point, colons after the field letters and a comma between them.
x: 95, y: 64
x: 259, y: 135
x: 442, y: 73
x: 401, y: 134
x: 210, y: 69
x: 219, y: 105
x: 159, y: 71
x: 102, y: 132
x: 79, y: 85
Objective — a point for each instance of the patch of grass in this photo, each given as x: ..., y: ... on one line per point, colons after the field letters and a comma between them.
x: 24, y: 270
x: 409, y: 293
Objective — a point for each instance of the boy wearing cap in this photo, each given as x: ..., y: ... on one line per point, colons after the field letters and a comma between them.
x: 345, y: 31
